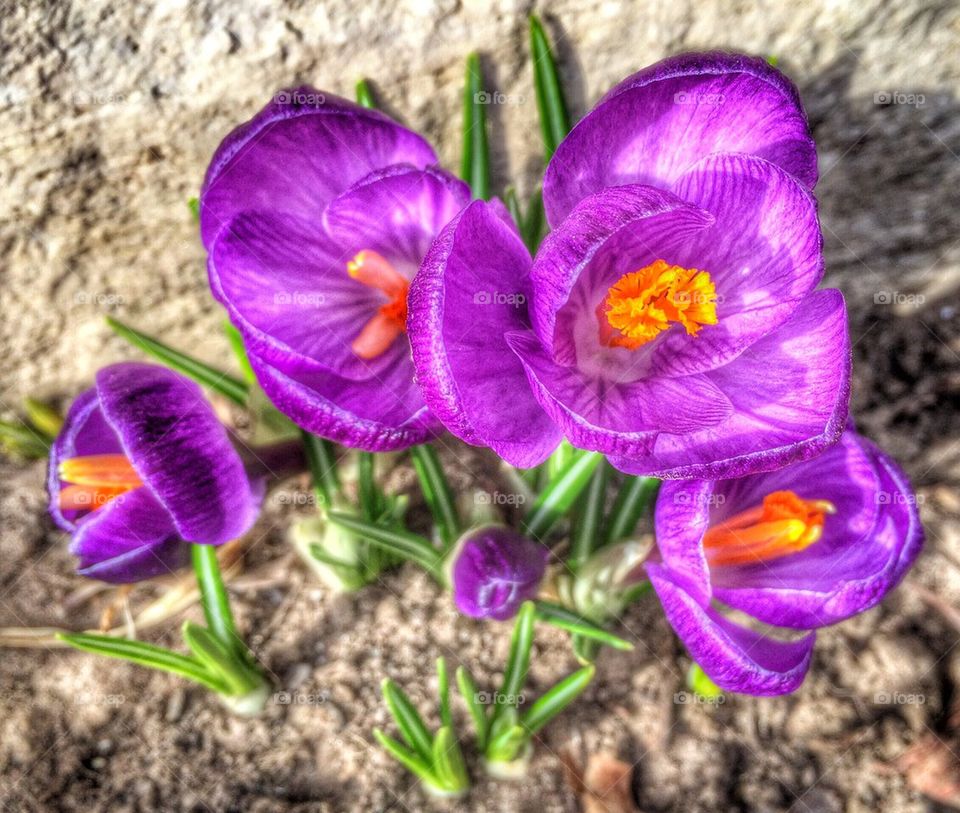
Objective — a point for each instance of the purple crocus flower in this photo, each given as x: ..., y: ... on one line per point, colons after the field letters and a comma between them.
x: 670, y: 319
x: 316, y: 214
x: 495, y: 571
x: 798, y: 549
x: 141, y: 466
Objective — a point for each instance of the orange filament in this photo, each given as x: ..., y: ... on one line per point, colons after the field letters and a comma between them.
x: 642, y: 304
x: 784, y: 524
x: 374, y: 271
x: 95, y: 480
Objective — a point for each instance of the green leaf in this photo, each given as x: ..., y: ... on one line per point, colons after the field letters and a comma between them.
x: 554, y: 119
x: 475, y: 161
x: 518, y: 662
x: 700, y: 683
x: 146, y: 655
x: 545, y: 708
x: 470, y: 695
x: 534, y: 222
x: 401, y: 543
x: 409, y: 760
x: 19, y: 439
x: 408, y: 720
x: 634, y: 498
x: 371, y: 503
x: 557, y: 498
x: 43, y: 417
x: 437, y: 493
x: 211, y: 651
x: 448, y: 764
x: 213, y: 596
x: 561, y: 457
x: 323, y: 466
x: 365, y: 95
x: 568, y: 620
x: 205, y: 375
x: 240, y: 352
x: 512, y: 202
x: 508, y: 745
x: 193, y: 204
x: 443, y: 692
x: 586, y: 532
x: 584, y: 649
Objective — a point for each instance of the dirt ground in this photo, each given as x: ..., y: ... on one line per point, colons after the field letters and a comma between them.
x: 93, y: 221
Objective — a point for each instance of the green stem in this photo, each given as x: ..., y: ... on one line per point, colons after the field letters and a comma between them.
x: 436, y: 493
x: 586, y: 533
x: 323, y: 466
x: 213, y: 596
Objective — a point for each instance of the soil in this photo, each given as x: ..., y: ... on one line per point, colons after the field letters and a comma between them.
x: 93, y: 221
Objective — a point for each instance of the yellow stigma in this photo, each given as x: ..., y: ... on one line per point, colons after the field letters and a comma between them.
x: 784, y: 524
x: 375, y: 271
x: 642, y: 304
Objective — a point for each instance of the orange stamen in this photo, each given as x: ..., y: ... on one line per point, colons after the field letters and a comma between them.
x: 95, y: 480
x: 784, y: 524
x: 375, y: 271
x: 644, y: 303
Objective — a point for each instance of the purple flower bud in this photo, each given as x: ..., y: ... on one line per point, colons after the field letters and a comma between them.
x: 495, y: 571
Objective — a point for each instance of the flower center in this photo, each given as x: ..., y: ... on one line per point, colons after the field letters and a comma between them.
x: 784, y: 524
x: 95, y: 480
x: 374, y: 271
x: 642, y: 304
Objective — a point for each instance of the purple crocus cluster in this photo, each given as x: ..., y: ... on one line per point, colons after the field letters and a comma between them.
x: 671, y: 321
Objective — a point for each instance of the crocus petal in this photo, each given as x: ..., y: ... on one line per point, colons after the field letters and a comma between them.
x: 472, y: 289
x: 286, y: 287
x: 179, y: 449
x: 763, y: 254
x: 609, y: 234
x: 736, y: 658
x: 397, y: 212
x: 657, y: 123
x: 131, y: 538
x: 84, y: 432
x: 296, y: 155
x: 380, y: 414
x: 681, y: 518
x: 790, y: 395
x: 866, y: 548
x: 617, y: 418
x: 495, y: 571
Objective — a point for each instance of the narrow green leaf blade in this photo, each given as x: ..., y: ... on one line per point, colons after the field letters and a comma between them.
x: 470, y: 695
x: 554, y: 119
x: 437, y: 493
x: 557, y: 498
x: 43, y: 417
x: 365, y: 95
x: 409, y: 760
x: 632, y: 501
x: 323, y: 466
x: 518, y: 661
x: 475, y: 161
x: 240, y: 352
x: 408, y: 720
x: 443, y: 692
x: 145, y: 654
x: 401, y: 543
x: 568, y: 620
x: 448, y: 764
x: 205, y: 375
x: 545, y: 708
x: 210, y: 651
x: 586, y: 532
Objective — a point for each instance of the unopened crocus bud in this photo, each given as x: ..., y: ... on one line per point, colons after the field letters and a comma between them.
x: 495, y: 571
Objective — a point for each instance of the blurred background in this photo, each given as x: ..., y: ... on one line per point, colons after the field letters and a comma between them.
x: 110, y: 113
